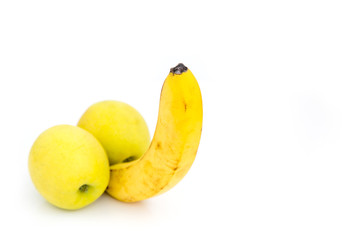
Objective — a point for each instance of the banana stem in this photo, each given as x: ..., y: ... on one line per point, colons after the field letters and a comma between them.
x: 179, y: 69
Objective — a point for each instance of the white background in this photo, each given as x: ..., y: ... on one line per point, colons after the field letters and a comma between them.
x: 279, y: 154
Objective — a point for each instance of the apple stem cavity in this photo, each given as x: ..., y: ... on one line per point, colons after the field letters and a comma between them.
x: 84, y: 188
x: 129, y: 159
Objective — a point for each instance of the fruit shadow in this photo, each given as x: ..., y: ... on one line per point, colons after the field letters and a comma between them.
x: 111, y: 206
x: 108, y: 206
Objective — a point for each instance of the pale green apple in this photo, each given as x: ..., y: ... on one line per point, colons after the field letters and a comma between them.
x: 119, y: 127
x: 69, y: 167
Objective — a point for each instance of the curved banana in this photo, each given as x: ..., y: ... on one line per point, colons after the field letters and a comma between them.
x: 173, y: 147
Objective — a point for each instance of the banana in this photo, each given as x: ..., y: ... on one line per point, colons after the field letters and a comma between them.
x: 174, y: 144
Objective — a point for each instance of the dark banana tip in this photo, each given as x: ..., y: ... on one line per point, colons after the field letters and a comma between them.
x: 179, y: 69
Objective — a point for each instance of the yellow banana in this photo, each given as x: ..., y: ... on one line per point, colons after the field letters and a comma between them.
x: 174, y: 144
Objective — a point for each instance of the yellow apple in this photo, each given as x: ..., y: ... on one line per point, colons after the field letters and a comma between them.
x: 69, y: 167
x: 119, y: 127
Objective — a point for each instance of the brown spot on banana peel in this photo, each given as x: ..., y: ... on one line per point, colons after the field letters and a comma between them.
x: 185, y: 106
x: 158, y: 145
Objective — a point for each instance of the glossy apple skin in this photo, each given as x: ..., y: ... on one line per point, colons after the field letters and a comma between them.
x: 69, y: 167
x: 119, y: 127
